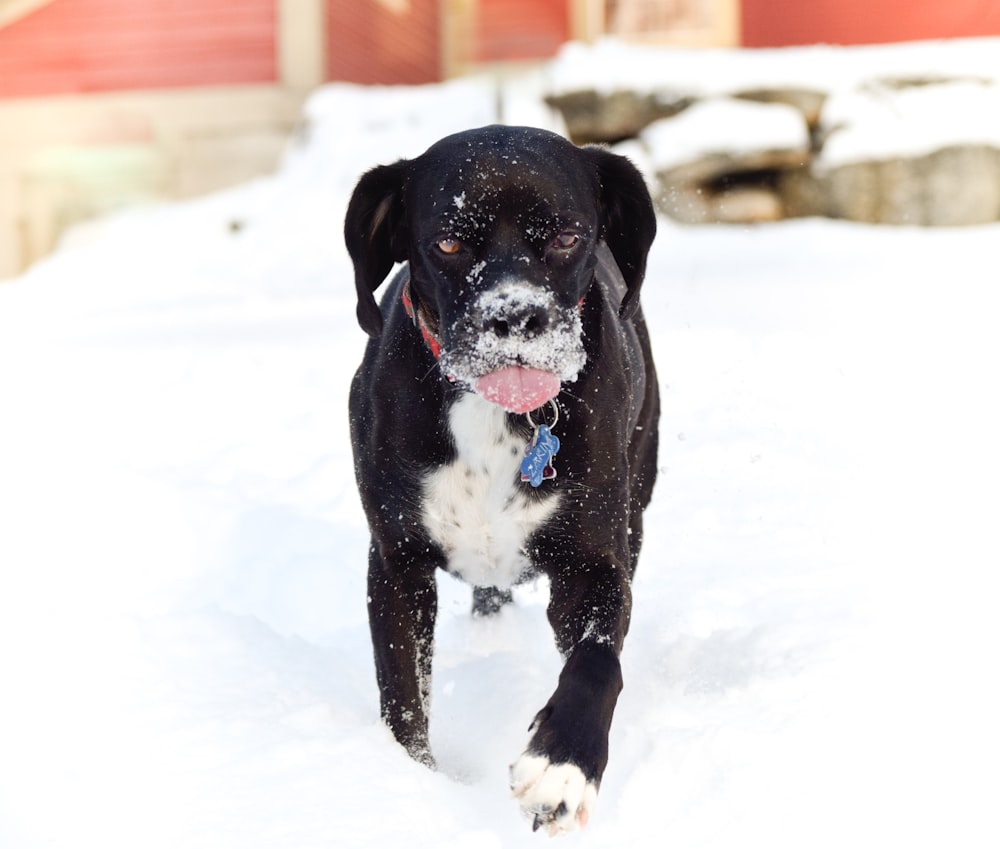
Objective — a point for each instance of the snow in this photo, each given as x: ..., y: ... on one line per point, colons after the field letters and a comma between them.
x: 183, y: 639
x: 609, y: 65
x: 556, y: 350
x: 726, y: 127
x: 880, y: 122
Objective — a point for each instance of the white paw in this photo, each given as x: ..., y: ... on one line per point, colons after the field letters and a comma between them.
x: 557, y: 796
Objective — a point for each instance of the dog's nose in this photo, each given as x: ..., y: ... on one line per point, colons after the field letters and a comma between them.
x: 528, y: 320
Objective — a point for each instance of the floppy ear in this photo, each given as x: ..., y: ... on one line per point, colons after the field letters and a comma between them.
x: 375, y: 232
x: 629, y: 220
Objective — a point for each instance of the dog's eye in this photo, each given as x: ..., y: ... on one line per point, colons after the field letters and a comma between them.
x: 449, y: 246
x: 565, y: 241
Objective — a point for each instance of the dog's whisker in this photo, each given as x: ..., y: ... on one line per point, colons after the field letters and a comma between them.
x: 573, y: 396
x: 431, y: 370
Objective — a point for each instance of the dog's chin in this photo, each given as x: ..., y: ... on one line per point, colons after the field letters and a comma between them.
x: 518, y: 389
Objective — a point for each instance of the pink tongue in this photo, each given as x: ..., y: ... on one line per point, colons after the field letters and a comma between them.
x: 518, y: 390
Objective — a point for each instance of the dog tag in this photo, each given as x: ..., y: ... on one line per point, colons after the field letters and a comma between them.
x: 537, y: 463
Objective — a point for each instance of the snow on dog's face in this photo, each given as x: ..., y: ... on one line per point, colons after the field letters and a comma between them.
x: 515, y: 344
x: 500, y: 227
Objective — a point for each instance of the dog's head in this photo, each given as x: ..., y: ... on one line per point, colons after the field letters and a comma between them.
x: 500, y: 226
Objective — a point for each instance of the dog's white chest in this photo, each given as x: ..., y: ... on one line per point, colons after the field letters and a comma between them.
x: 475, y: 508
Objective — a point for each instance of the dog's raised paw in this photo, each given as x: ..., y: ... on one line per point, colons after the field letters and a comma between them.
x: 554, y: 796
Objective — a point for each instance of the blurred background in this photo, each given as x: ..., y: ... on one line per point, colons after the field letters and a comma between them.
x: 107, y: 103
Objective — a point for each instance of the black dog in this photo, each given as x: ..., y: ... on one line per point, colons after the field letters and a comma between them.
x: 525, y: 255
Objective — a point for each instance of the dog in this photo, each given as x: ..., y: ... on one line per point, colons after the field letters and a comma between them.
x: 504, y: 421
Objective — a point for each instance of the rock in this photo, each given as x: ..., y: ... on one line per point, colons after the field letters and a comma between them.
x: 595, y: 117
x: 746, y: 205
x: 728, y: 189
x: 807, y: 101
x: 955, y: 186
x: 802, y: 193
x: 918, y: 150
x: 723, y: 160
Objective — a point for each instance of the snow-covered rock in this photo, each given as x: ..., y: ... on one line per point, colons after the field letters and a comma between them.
x: 890, y: 134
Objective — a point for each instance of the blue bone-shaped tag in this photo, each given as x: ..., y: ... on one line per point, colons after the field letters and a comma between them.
x: 537, y: 463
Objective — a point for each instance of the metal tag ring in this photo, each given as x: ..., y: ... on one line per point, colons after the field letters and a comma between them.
x: 555, y: 416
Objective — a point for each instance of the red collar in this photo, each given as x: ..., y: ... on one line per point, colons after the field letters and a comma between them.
x: 432, y: 341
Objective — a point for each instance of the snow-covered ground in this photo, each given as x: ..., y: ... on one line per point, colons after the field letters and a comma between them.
x: 184, y: 653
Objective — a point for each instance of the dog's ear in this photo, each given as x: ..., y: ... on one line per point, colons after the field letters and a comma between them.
x: 629, y: 220
x: 375, y: 233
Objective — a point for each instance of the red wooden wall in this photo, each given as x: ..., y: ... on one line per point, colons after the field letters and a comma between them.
x: 776, y: 23
x: 521, y: 29
x: 383, y: 42
x: 380, y: 41
x: 79, y: 46
x: 76, y: 46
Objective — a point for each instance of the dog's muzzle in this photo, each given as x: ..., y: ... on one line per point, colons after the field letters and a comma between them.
x: 515, y: 346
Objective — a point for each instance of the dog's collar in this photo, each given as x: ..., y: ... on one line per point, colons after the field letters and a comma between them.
x: 430, y: 339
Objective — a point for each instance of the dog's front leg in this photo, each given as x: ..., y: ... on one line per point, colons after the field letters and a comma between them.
x: 557, y: 778
x: 402, y: 605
